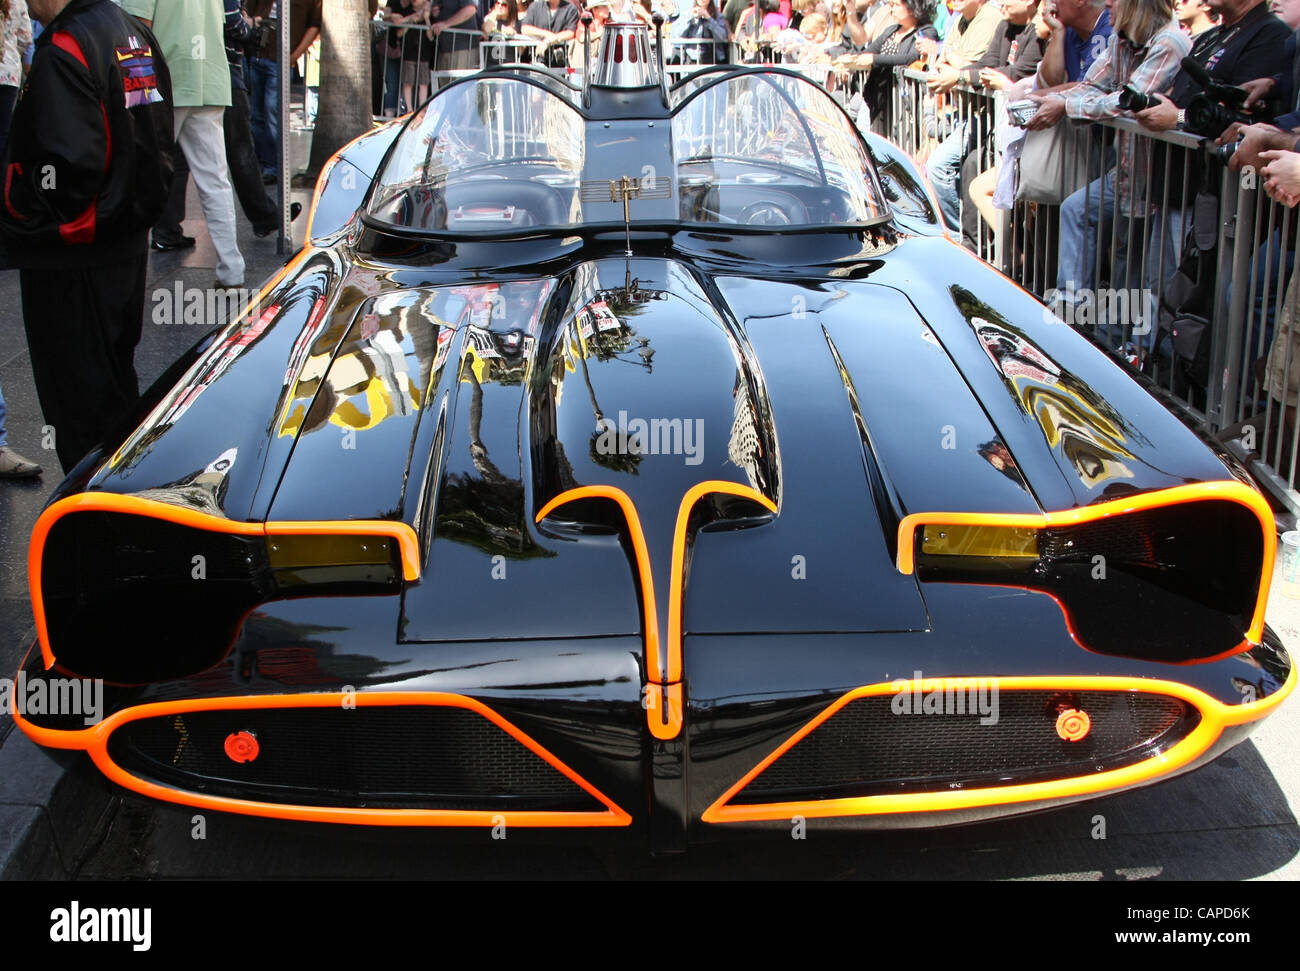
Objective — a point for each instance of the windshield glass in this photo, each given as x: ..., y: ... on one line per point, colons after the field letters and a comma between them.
x: 491, y: 155
x: 500, y: 155
x: 770, y: 149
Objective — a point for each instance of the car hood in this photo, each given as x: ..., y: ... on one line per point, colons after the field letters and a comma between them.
x: 763, y: 438
x: 834, y: 403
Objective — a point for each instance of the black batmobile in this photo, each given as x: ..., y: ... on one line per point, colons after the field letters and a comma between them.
x: 645, y: 457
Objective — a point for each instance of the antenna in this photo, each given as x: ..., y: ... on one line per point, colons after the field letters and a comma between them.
x: 658, y: 19
x: 586, y: 58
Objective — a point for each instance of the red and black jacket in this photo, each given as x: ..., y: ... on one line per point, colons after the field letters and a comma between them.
x: 88, y: 164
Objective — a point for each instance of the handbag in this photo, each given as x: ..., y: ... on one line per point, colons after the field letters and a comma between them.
x: 1053, y: 163
x: 1186, y: 305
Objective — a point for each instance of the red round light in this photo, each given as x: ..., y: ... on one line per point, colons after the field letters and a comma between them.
x: 242, y: 746
x: 1073, y: 725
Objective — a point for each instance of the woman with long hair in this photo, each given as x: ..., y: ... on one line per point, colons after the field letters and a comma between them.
x: 895, y: 46
x: 1145, y: 53
x: 503, y: 18
x: 703, y: 36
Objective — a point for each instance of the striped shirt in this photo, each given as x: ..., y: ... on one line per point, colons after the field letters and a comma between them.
x: 1150, y: 70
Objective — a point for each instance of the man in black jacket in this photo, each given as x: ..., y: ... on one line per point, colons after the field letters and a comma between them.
x: 1247, y: 44
x: 86, y: 172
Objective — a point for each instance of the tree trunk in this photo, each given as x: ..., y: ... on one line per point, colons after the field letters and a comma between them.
x: 344, y: 111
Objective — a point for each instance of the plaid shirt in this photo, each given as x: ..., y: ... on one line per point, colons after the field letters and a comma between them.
x: 1097, y: 95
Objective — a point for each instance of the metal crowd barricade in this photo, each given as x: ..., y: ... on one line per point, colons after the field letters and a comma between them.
x: 501, y: 49
x: 922, y: 121
x: 456, y: 55
x: 686, y: 55
x: 1111, y: 258
x: 1129, y: 277
x: 407, y: 71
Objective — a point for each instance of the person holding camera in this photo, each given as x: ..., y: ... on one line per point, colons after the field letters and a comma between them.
x: 1207, y: 100
x: 1142, y: 58
x: 304, y: 17
x: 1247, y: 44
x: 703, y: 23
x: 1280, y: 134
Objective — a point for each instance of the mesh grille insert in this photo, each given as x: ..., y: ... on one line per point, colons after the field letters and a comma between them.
x: 400, y: 756
x: 866, y: 749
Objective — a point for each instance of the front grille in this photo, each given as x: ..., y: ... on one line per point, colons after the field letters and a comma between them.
x: 867, y: 749
x: 1132, y: 538
x: 399, y: 756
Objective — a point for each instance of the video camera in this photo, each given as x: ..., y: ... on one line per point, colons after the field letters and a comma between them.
x: 1218, y: 105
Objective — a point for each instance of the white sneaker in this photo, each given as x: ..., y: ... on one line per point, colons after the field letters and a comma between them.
x: 14, y: 466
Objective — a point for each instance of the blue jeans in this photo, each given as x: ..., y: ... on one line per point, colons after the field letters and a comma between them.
x: 944, y: 170
x: 1090, y: 212
x: 4, y: 436
x: 263, y: 79
x: 392, y: 84
x: 1081, y: 214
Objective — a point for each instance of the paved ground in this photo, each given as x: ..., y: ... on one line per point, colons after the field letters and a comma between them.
x: 1234, y: 819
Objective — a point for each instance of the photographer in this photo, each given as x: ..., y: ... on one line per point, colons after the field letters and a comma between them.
x: 1247, y: 44
x: 241, y: 158
x: 703, y: 23
x: 263, y: 70
x: 1142, y: 57
x: 1285, y: 87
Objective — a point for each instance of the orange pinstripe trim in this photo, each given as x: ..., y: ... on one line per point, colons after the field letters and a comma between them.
x: 1215, y: 717
x: 403, y: 534
x: 676, y: 592
x: 645, y: 577
x: 663, y: 668
x: 664, y: 713
x: 94, y: 740
x: 1227, y: 490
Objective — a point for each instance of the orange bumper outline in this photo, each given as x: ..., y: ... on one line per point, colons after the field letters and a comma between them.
x: 1215, y: 717
x: 94, y: 741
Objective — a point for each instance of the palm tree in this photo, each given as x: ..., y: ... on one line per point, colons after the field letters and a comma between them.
x: 344, y: 79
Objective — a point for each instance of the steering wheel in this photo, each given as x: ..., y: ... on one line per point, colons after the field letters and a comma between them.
x: 764, y: 214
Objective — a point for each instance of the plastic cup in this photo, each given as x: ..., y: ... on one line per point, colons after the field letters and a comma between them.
x: 1289, y: 564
